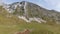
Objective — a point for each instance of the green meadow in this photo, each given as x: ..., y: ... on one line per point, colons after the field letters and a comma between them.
x: 11, y: 25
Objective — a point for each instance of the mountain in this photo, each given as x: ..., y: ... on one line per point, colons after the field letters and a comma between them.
x: 31, y: 12
x: 19, y: 17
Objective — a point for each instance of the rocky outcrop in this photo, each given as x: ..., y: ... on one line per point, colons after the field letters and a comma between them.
x: 32, y: 12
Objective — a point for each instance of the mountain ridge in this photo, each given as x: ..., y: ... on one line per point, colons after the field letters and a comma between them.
x: 32, y: 12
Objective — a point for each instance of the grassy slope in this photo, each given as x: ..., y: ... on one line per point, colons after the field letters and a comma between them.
x: 10, y: 25
x: 13, y: 24
x: 37, y: 28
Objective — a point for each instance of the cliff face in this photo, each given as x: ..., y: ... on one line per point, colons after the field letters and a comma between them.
x: 32, y: 12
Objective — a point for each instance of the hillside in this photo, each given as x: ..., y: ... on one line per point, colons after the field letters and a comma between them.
x: 32, y: 12
x: 10, y: 23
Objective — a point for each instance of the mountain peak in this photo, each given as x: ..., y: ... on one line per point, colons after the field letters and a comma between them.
x: 32, y: 12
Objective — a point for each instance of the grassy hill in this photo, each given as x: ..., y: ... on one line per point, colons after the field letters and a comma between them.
x: 12, y: 24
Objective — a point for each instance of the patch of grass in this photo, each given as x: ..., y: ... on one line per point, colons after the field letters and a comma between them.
x: 11, y: 25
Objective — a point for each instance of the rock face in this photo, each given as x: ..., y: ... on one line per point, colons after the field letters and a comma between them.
x: 32, y: 12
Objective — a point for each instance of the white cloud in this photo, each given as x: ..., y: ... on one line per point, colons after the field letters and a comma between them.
x: 54, y: 3
x: 57, y: 7
x: 0, y: 2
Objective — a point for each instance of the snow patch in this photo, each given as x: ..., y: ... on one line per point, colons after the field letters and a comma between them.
x: 24, y: 18
x: 25, y: 10
x: 32, y: 19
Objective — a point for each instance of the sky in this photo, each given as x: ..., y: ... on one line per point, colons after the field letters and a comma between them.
x: 48, y: 4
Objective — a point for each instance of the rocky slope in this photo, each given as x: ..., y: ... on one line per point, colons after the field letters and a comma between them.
x: 31, y: 12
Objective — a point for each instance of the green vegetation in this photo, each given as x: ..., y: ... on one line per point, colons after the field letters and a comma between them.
x: 11, y: 25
